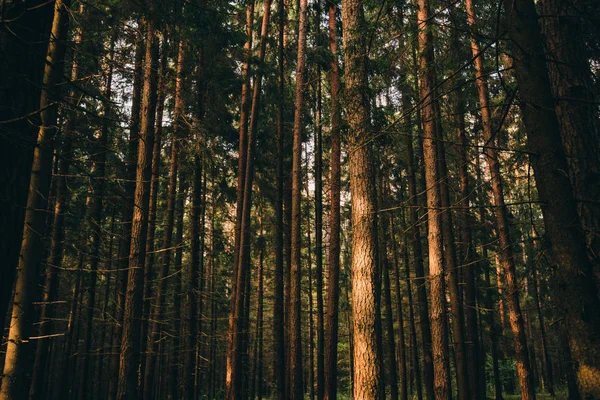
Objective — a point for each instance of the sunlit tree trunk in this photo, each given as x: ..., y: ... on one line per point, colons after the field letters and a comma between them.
x: 131, y: 332
x: 366, y: 374
x: 17, y: 351
x: 438, y: 315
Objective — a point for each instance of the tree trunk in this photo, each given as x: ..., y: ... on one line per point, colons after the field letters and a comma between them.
x: 434, y: 218
x: 366, y: 374
x: 319, y: 224
x: 237, y: 338
x: 23, y: 44
x: 279, y: 307
x: 295, y: 325
x: 403, y: 370
x: 333, y: 279
x: 131, y: 335
x: 126, y: 217
x: 17, y: 351
x: 160, y: 299
x: 384, y: 267
x: 574, y: 93
x: 577, y: 291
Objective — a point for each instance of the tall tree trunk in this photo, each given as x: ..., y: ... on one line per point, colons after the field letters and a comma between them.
x: 417, y: 262
x: 467, y: 254
x: 333, y: 279
x: 577, y: 291
x: 17, y: 351
x: 434, y: 218
x: 384, y: 267
x: 458, y: 331
x: 160, y: 299
x: 279, y: 308
x: 131, y: 332
x: 154, y: 186
x: 243, y: 145
x: 23, y: 43
x: 295, y: 325
x: 174, y: 367
x: 126, y: 216
x: 366, y: 375
x: 195, y: 275
x: 237, y: 337
x: 574, y: 93
x: 319, y: 222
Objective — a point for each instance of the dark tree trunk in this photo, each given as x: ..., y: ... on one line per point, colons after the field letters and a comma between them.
x: 14, y: 384
x: 576, y: 289
x: 333, y: 279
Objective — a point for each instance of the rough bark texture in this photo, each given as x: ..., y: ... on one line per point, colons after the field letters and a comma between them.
x: 131, y: 335
x: 295, y: 325
x: 17, y: 352
x: 505, y: 245
x: 333, y: 278
x: 366, y: 363
x: 575, y: 98
x: 577, y: 291
x: 438, y: 315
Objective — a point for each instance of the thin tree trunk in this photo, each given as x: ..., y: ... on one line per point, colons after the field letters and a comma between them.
x: 417, y: 261
x: 154, y: 186
x: 333, y: 279
x: 237, y: 338
x: 17, y: 351
x: 384, y: 263
x: 438, y: 315
x: 295, y: 325
x: 279, y: 307
x: 403, y: 370
x: 319, y: 225
x: 126, y: 217
x: 131, y: 332
x: 160, y: 299
x: 467, y: 255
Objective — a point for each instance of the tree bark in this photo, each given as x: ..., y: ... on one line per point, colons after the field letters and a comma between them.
x: 366, y: 374
x: 279, y: 307
x: 295, y: 325
x: 577, y: 290
x: 574, y: 94
x: 17, y: 351
x: 438, y: 315
x: 237, y: 338
x: 333, y: 279
x: 160, y: 299
x: 131, y: 335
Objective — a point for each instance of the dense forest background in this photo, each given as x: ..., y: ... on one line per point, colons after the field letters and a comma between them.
x: 297, y: 199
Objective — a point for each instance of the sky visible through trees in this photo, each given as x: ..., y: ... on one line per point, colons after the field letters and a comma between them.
x: 300, y: 199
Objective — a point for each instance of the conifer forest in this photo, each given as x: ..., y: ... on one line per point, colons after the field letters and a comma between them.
x: 299, y: 199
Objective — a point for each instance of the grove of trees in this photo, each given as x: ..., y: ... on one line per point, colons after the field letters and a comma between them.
x: 291, y: 199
